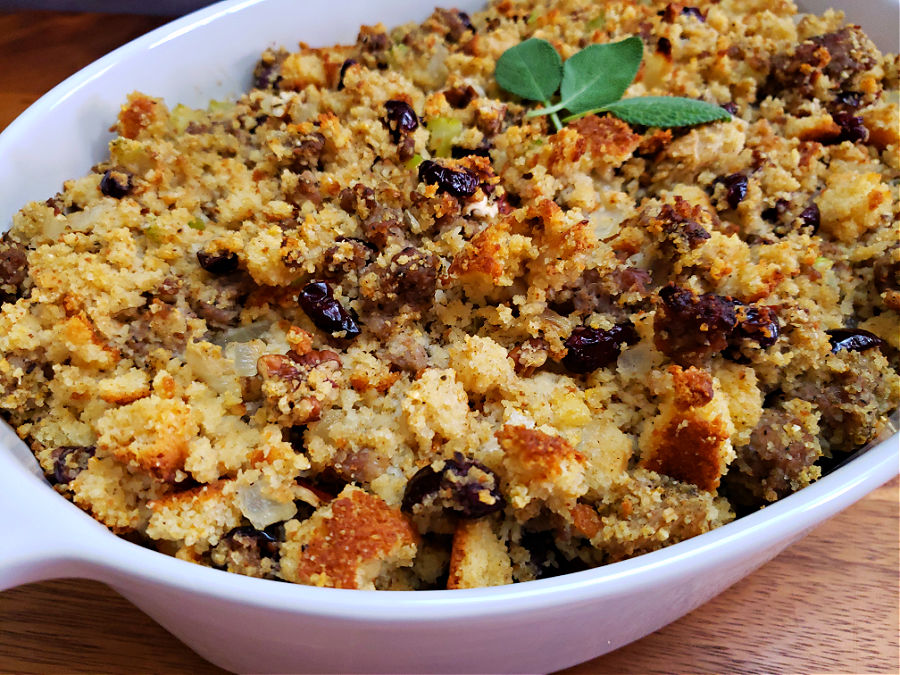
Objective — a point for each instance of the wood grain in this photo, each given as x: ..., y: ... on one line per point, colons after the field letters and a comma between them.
x: 827, y: 605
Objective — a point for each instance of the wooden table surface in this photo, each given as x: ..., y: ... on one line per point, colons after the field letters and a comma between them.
x: 827, y: 605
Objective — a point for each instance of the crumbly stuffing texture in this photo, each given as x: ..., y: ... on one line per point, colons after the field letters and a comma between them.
x: 370, y: 326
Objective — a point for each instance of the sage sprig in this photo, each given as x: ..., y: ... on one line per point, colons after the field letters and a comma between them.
x: 594, y: 80
x: 532, y: 70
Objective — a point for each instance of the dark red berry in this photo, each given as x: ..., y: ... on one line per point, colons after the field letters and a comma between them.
x: 546, y: 559
x: 457, y: 182
x: 346, y: 64
x: 320, y: 305
x: 463, y: 486
x: 852, y: 127
x: 664, y: 47
x: 759, y: 323
x: 401, y: 119
x: 809, y: 217
x: 220, y: 263
x: 593, y: 348
x: 262, y: 542
x: 848, y: 100
x: 458, y: 152
x: 735, y: 188
x: 460, y: 97
x: 730, y: 107
x: 775, y: 213
x: 69, y: 461
x: 694, y: 12
x: 295, y: 436
x: 853, y: 340
x: 466, y: 21
x: 115, y: 183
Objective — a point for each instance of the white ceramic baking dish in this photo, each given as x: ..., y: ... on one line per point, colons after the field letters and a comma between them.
x: 252, y: 625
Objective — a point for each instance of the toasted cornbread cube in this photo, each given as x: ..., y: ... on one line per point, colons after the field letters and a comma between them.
x: 479, y: 556
x: 199, y: 515
x: 690, y: 438
x: 348, y: 543
x: 541, y: 467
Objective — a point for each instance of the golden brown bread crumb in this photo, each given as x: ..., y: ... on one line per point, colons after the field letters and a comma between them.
x: 348, y: 543
x: 479, y: 556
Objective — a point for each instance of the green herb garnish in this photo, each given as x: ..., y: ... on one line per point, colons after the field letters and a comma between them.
x: 594, y: 81
x: 663, y: 111
x: 531, y: 70
x: 196, y: 224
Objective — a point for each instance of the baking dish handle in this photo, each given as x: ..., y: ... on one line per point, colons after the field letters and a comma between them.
x: 39, y: 535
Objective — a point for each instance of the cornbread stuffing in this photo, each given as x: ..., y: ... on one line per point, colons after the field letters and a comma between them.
x: 371, y: 326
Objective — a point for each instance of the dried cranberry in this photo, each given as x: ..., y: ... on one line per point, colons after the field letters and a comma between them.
x: 466, y: 21
x: 219, y: 264
x: 756, y: 323
x: 267, y: 73
x: 853, y: 340
x: 694, y: 12
x: 672, y: 10
x: 458, y: 152
x: 730, y: 107
x: 69, y: 461
x: 319, y: 303
x: 457, y: 23
x: 265, y: 542
x: 852, y: 127
x: 346, y: 64
x: 401, y: 119
x: 115, y: 183
x: 664, y: 47
x: 295, y: 436
x: 848, y: 100
x: 810, y: 217
x: 688, y: 326
x: 735, y: 187
x: 466, y: 487
x: 775, y: 213
x: 546, y: 559
x: 457, y: 182
x: 460, y: 97
x: 593, y: 348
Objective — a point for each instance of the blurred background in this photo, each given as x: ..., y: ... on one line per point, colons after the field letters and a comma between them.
x: 161, y: 7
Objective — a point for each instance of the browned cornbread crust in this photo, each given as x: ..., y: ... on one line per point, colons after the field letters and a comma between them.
x: 275, y: 336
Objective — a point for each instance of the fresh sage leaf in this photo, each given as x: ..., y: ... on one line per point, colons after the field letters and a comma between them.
x: 665, y: 111
x: 599, y: 74
x: 531, y: 70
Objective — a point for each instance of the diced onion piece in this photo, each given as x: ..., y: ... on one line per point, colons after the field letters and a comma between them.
x: 259, y: 509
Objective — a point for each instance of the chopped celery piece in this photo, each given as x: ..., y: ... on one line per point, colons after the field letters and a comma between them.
x: 597, y: 22
x: 443, y: 131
